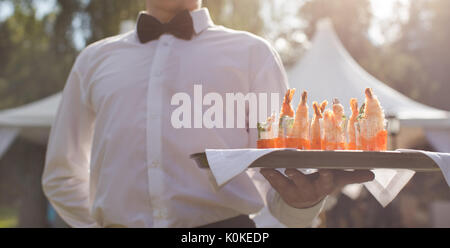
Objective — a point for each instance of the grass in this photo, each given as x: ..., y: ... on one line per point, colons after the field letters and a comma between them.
x: 8, y: 217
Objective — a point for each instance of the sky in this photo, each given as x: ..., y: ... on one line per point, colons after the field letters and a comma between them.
x: 383, y: 11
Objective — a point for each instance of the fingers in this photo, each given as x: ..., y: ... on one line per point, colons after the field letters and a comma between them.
x: 301, y: 191
x: 350, y: 177
x: 296, y: 189
x: 331, y: 180
x: 278, y: 181
x: 303, y: 183
x: 325, y: 184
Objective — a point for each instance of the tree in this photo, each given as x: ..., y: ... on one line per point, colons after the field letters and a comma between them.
x: 37, y: 53
x: 351, y: 20
x: 235, y: 14
x: 29, y: 69
x: 105, y: 16
x: 425, y: 36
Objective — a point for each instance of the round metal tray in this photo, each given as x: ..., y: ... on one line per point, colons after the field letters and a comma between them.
x: 359, y: 160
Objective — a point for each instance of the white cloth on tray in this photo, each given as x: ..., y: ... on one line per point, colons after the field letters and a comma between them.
x: 388, y: 183
x: 227, y: 164
x: 440, y: 158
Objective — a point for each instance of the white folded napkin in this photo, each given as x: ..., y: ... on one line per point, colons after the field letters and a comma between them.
x: 229, y: 163
x: 440, y: 158
x: 388, y: 183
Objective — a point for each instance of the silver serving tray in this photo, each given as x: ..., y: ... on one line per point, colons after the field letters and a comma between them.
x: 358, y: 160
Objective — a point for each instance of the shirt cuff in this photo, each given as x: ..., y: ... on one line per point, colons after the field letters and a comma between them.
x: 290, y: 216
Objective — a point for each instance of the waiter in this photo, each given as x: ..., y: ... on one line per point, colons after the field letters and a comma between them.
x: 115, y: 160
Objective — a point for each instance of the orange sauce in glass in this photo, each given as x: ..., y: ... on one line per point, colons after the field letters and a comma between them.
x: 340, y: 146
x: 377, y: 143
x: 280, y: 142
x: 316, y: 145
x: 381, y: 140
x: 266, y: 143
x: 303, y: 144
x: 291, y: 142
x: 351, y: 146
x: 329, y: 146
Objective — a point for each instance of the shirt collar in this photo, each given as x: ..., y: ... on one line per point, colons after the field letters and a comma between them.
x: 202, y: 20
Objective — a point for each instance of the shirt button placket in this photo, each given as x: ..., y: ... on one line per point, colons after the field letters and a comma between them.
x: 154, y: 129
x: 155, y: 164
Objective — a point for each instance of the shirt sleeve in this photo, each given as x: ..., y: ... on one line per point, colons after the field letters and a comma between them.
x: 290, y: 216
x: 65, y: 179
x: 270, y: 77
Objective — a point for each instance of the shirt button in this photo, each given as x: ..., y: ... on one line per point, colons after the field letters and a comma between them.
x: 161, y: 214
x: 165, y: 43
x: 158, y: 74
x: 154, y: 164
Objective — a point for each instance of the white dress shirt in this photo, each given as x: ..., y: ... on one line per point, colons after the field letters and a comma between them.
x: 113, y: 157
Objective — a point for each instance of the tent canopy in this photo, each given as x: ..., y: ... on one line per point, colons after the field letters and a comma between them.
x: 31, y: 121
x: 37, y: 114
x: 328, y: 71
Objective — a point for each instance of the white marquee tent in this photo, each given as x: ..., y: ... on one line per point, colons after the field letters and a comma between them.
x: 31, y: 121
x: 328, y: 71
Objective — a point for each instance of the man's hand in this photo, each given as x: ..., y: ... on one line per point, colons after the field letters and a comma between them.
x: 304, y: 191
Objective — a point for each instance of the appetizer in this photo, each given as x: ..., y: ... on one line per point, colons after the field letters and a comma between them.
x: 286, y: 122
x: 339, y: 121
x: 373, y: 134
x: 266, y: 135
x: 316, y: 131
x: 300, y: 130
x: 351, y: 124
x: 328, y: 129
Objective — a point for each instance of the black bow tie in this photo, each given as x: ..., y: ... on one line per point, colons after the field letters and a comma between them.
x: 149, y: 28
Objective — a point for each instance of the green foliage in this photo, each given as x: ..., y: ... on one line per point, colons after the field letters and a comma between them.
x: 105, y: 16
x: 29, y: 67
x: 8, y: 217
x: 36, y: 54
x: 425, y: 38
x: 236, y: 14
x: 351, y: 19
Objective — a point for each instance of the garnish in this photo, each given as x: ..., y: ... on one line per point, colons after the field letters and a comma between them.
x: 361, y: 111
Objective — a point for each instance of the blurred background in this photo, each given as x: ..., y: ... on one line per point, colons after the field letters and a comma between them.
x: 403, y: 43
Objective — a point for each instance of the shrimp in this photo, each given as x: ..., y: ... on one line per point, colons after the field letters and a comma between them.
x: 323, y: 105
x: 351, y: 124
x: 373, y: 134
x: 286, y: 120
x: 329, y: 129
x: 300, y: 129
x: 373, y: 114
x: 316, y: 136
x: 339, y: 123
x: 338, y: 110
x: 286, y: 109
